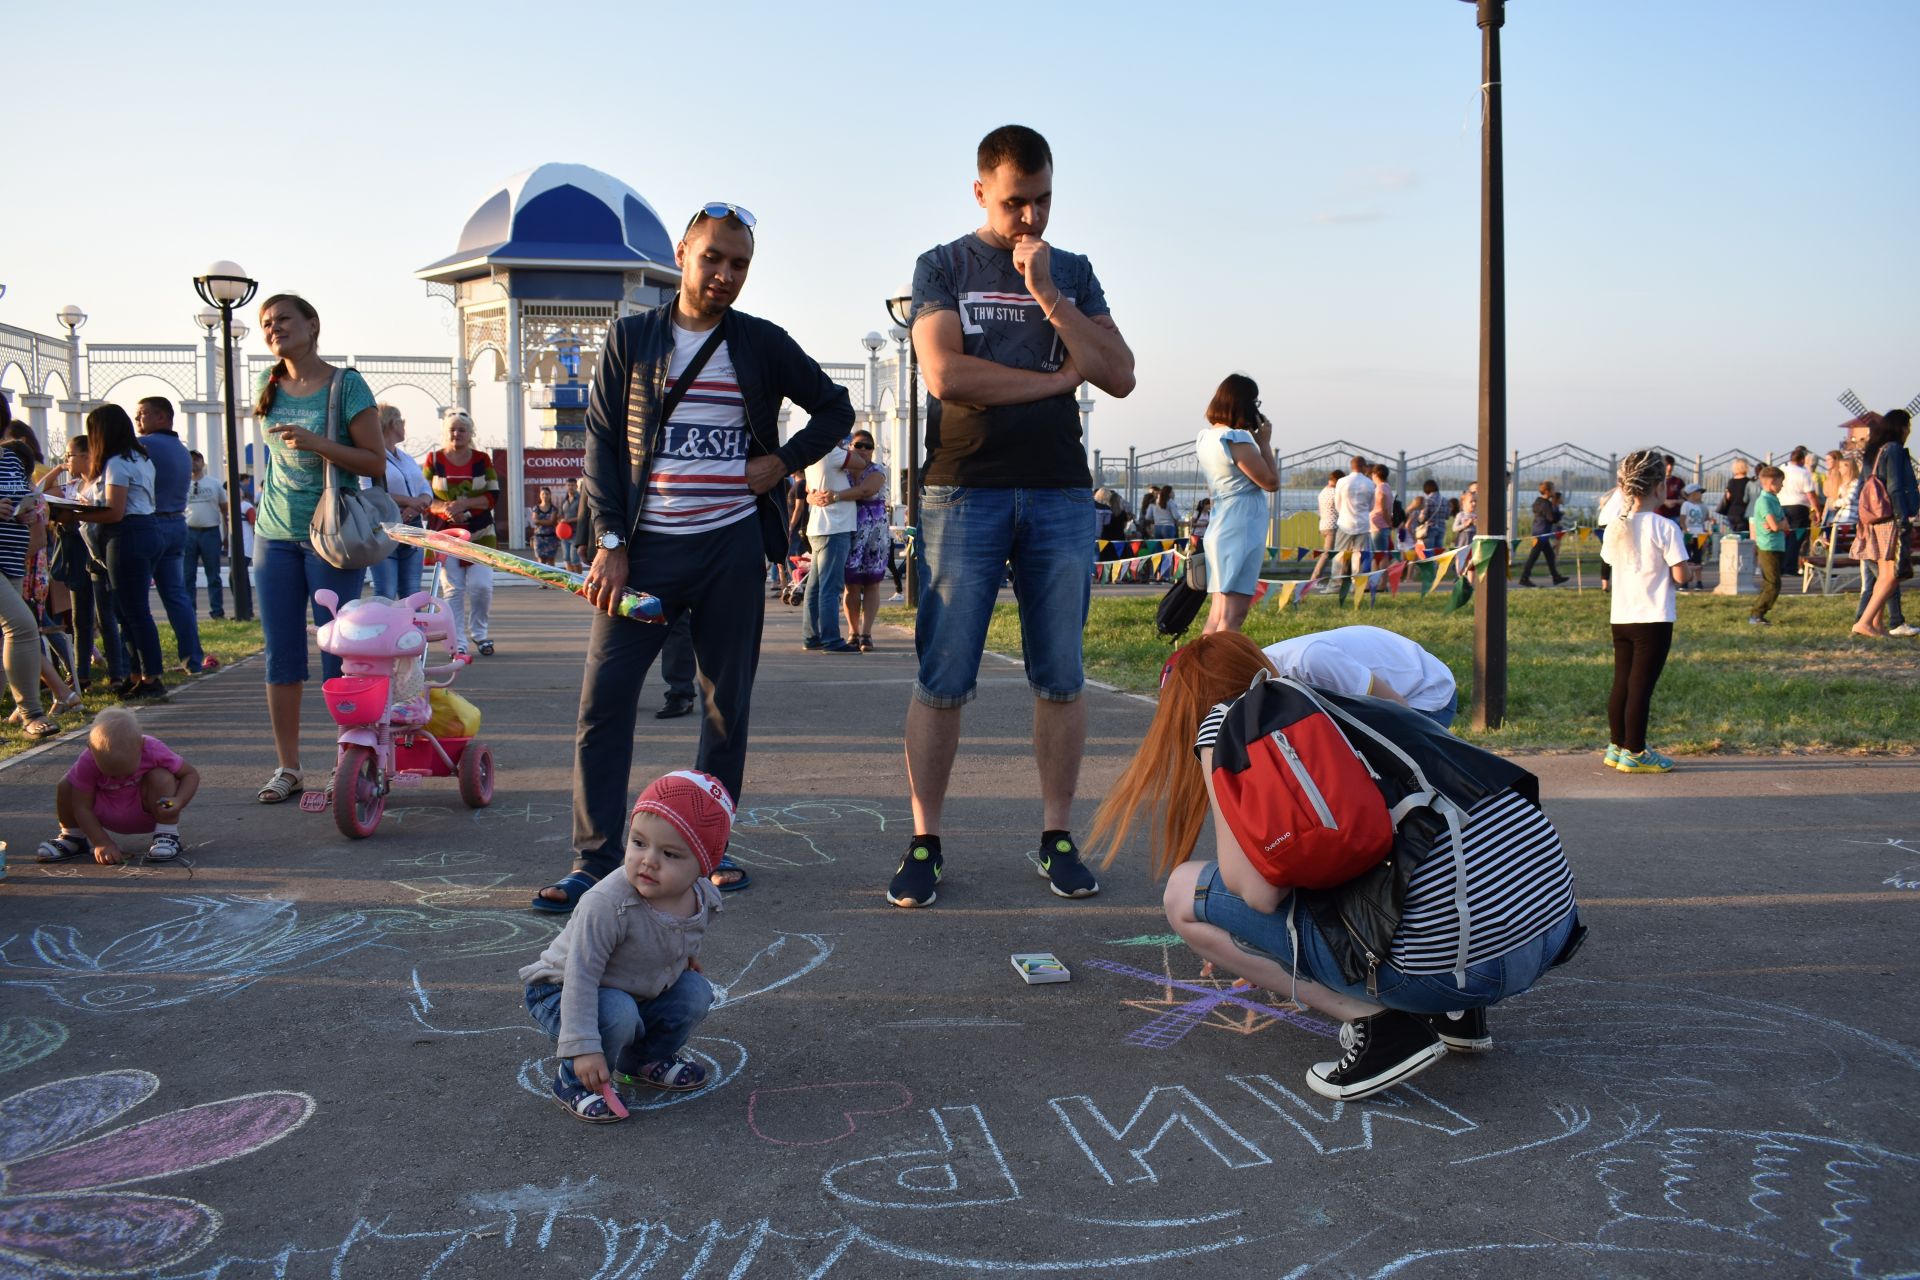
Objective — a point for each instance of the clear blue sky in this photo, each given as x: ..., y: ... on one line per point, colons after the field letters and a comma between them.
x: 1710, y: 204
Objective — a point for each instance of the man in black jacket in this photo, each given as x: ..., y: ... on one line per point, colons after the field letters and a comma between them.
x: 683, y: 467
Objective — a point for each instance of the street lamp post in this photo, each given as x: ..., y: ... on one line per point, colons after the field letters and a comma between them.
x: 225, y: 286
x: 900, y: 311
x: 71, y: 318
x: 1489, y: 707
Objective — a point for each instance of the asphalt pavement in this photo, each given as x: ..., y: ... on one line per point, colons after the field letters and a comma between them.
x: 304, y: 1056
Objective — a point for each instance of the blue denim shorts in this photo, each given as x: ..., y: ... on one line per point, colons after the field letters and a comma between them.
x: 968, y: 536
x: 286, y: 574
x: 1258, y: 933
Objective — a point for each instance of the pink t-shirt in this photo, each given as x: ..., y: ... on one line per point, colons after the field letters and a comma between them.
x: 154, y: 754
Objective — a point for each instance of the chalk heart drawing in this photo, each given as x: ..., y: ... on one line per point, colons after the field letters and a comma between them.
x: 812, y: 1115
x: 27, y: 1040
x: 63, y: 1212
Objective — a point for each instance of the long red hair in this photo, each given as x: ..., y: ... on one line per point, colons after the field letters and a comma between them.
x: 1165, y: 774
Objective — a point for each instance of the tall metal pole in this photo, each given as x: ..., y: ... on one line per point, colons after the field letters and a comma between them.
x: 1489, y: 709
x: 913, y: 471
x: 236, y: 536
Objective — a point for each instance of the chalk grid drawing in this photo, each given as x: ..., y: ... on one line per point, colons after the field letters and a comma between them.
x: 763, y: 834
x: 223, y: 944
x: 64, y: 1210
x: 1211, y: 1001
x: 1906, y: 877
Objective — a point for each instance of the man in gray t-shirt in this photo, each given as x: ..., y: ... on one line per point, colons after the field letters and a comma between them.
x: 1006, y: 329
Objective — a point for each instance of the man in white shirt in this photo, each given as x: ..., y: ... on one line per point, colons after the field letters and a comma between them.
x: 833, y: 514
x: 1796, y: 499
x: 1370, y: 662
x: 206, y: 529
x: 1353, y: 508
x: 1329, y: 523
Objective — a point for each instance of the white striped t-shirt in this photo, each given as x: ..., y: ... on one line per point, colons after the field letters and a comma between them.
x: 1518, y: 884
x: 699, y: 476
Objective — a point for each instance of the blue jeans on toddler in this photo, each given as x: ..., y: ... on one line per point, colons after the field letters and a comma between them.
x: 633, y: 1032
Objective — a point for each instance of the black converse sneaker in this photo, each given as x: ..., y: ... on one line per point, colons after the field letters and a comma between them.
x: 1384, y: 1050
x: 1060, y: 866
x: 1462, y: 1032
x: 917, y: 882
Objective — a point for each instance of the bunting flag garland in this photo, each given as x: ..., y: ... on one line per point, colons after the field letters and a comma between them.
x: 1395, y: 575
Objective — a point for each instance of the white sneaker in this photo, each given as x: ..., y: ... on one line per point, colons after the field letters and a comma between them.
x: 1905, y: 629
x: 895, y: 598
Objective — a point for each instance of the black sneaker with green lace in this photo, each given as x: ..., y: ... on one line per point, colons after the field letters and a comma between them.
x: 917, y: 882
x: 1059, y: 863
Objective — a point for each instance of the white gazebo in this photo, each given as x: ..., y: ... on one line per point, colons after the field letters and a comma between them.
x: 545, y: 265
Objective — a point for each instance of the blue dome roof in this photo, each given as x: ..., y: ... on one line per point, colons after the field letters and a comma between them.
x: 563, y: 213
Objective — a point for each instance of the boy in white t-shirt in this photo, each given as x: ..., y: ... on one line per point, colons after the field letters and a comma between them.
x: 1693, y: 522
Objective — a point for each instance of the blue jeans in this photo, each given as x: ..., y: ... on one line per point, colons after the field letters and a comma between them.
x: 633, y: 1032
x: 170, y: 584
x: 967, y: 537
x: 826, y: 584
x: 131, y: 549
x: 286, y: 574
x: 1444, y: 716
x: 1264, y: 935
x: 203, y: 552
x: 398, y: 576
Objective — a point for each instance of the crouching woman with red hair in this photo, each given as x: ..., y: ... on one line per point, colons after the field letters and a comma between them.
x: 1473, y: 903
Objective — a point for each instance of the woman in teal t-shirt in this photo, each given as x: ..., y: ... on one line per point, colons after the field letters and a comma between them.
x: 292, y: 406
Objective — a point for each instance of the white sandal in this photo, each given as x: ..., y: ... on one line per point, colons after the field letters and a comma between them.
x: 284, y: 784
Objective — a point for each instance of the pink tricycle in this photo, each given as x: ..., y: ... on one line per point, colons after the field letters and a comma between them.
x: 380, y: 703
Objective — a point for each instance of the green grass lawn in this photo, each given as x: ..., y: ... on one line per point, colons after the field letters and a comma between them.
x: 1802, y: 684
x: 226, y: 639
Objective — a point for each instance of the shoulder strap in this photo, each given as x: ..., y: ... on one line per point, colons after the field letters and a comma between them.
x: 680, y: 386
x: 335, y: 394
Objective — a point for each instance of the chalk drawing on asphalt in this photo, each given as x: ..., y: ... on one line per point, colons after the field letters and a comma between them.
x: 421, y: 1005
x: 1187, y: 1003
x: 222, y: 944
x: 65, y: 1209
x: 24, y: 1041
x: 812, y: 1115
x: 1906, y: 877
x: 724, y: 1060
x: 542, y: 1236
x: 765, y: 835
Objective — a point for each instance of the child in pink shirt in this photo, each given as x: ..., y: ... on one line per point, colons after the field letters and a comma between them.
x: 123, y: 782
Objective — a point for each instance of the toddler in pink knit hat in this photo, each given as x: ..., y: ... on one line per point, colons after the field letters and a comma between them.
x: 620, y: 989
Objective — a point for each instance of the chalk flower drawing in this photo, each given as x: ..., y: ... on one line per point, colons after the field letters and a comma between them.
x: 61, y: 1210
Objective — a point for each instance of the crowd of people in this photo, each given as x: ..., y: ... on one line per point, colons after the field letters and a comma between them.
x: 691, y: 497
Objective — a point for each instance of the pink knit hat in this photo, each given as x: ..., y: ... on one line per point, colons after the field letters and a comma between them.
x: 698, y: 806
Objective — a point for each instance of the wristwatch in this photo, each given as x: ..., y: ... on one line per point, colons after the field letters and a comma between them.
x: 612, y: 541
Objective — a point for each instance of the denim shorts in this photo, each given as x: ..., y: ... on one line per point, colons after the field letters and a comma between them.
x: 968, y: 536
x: 286, y: 574
x: 1258, y: 933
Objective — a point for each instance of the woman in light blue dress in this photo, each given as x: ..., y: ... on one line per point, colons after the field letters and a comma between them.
x: 1235, y: 452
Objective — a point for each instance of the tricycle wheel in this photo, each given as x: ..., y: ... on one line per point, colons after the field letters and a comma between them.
x: 358, y: 800
x: 476, y: 775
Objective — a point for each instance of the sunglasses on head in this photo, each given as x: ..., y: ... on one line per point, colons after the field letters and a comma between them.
x: 721, y: 209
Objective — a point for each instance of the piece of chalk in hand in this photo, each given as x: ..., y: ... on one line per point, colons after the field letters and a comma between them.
x: 612, y: 1096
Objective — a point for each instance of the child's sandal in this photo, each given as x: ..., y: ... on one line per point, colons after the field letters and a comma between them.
x: 583, y: 1104
x: 69, y: 844
x: 677, y: 1075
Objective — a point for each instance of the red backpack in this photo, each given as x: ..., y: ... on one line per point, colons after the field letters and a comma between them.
x: 1303, y: 804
